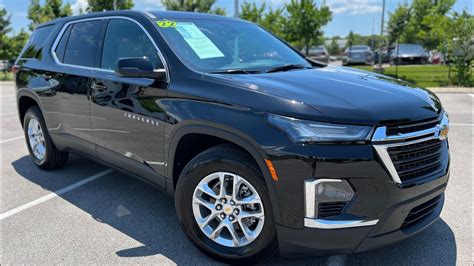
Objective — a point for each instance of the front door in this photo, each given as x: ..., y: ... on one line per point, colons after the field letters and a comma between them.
x: 132, y: 134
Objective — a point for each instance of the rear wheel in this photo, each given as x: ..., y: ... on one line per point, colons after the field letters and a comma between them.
x: 224, y: 208
x: 42, y: 151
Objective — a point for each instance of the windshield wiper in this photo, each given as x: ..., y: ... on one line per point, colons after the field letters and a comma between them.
x: 235, y: 71
x: 286, y: 68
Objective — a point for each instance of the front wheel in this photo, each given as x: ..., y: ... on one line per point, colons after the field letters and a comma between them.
x: 224, y: 208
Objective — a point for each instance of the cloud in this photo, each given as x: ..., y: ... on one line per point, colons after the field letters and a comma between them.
x: 78, y: 6
x: 355, y: 7
x: 148, y: 5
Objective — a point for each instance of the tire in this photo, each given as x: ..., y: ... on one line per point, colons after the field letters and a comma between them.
x: 229, y: 159
x: 47, y: 157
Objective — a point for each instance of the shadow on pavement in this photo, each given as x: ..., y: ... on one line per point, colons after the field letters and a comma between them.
x: 147, y: 215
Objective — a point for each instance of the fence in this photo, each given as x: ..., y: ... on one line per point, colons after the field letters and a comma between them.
x: 410, y: 62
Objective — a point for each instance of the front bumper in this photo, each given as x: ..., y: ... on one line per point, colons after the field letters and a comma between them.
x: 388, y: 230
x: 373, y: 218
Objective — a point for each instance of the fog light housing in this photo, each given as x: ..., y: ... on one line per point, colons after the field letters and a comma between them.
x: 323, y: 191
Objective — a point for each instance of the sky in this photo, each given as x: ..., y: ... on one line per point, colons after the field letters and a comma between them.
x: 360, y: 16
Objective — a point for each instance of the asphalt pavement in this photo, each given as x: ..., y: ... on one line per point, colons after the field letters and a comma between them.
x: 86, y: 213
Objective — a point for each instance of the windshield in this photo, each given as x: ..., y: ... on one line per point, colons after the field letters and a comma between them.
x: 357, y: 48
x: 210, y: 46
x: 410, y: 49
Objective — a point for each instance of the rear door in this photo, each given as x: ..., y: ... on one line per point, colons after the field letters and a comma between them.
x: 132, y: 133
x: 64, y: 87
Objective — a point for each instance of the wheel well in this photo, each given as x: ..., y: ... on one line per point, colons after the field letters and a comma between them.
x: 191, y: 145
x: 24, y: 104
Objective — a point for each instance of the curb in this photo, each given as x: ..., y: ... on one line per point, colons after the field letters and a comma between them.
x: 452, y: 90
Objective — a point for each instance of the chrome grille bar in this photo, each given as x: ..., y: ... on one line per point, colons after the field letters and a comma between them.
x: 382, y: 142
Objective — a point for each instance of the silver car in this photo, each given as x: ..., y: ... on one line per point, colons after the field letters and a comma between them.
x: 319, y: 53
x: 358, y: 54
x: 409, y: 54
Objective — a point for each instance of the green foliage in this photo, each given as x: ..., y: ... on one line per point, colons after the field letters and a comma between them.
x: 304, y: 22
x: 428, y: 76
x: 460, y: 47
x: 202, y: 6
x: 273, y: 20
x: 51, y: 9
x: 333, y: 48
x: 251, y: 12
x: 5, y: 21
x: 419, y: 22
x: 101, y: 5
x: 397, y: 23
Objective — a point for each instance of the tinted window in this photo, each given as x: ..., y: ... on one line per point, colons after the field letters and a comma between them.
x: 34, y: 47
x: 83, y: 43
x: 61, y: 48
x: 125, y: 38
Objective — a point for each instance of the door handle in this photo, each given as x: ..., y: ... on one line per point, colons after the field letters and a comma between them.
x: 46, y: 76
x: 98, y: 87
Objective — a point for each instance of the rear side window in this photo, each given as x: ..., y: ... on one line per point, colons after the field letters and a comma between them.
x: 61, y: 48
x: 83, y: 43
x: 123, y: 39
x: 34, y: 47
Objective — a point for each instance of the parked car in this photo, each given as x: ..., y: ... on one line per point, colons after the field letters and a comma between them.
x: 319, y: 53
x: 409, y: 54
x: 358, y: 54
x: 385, y: 56
x: 262, y: 149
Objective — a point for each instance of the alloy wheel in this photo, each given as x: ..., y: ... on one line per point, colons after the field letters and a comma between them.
x: 228, y: 209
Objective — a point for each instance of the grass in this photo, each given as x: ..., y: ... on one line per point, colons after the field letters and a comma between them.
x: 421, y: 75
x: 6, y: 76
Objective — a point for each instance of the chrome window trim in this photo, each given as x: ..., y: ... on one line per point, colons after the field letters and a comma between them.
x: 105, y: 18
x: 382, y: 142
x: 310, y: 210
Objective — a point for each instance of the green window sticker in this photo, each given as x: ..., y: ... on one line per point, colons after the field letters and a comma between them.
x: 198, y: 41
x: 166, y: 24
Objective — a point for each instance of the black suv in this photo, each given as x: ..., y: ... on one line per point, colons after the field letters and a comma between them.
x: 262, y: 148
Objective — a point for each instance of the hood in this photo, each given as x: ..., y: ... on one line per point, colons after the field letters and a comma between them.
x: 343, y: 95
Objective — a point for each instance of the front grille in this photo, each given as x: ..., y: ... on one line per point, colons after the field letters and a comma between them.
x: 327, y: 209
x: 408, y: 128
x: 421, y: 211
x: 416, y: 160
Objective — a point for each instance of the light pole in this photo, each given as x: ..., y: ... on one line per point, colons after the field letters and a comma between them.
x: 236, y: 8
x: 115, y: 4
x: 381, y: 35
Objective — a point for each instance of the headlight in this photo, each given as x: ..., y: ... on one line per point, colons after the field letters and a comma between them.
x: 310, y: 131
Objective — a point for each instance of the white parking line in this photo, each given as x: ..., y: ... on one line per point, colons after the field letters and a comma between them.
x: 5, y: 114
x: 54, y: 194
x: 461, y: 124
x: 12, y: 139
x: 470, y: 94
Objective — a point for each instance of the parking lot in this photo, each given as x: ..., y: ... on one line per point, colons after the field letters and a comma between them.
x: 86, y: 213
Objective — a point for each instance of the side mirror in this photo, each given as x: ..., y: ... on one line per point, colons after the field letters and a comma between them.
x: 138, y: 67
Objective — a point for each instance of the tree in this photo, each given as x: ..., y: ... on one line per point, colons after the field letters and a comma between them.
x: 304, y: 22
x: 273, y: 20
x: 17, y: 43
x: 434, y: 16
x: 251, y: 12
x: 460, y: 46
x: 52, y: 9
x: 5, y: 28
x: 334, y: 47
x: 202, y: 6
x: 398, y: 22
x: 102, y: 5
